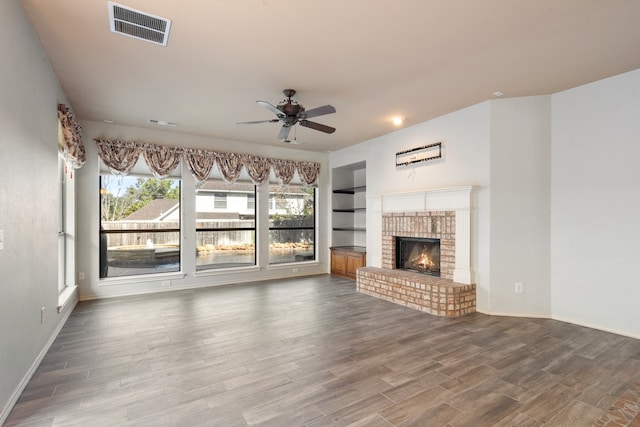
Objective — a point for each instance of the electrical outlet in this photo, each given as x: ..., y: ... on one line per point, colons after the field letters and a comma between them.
x: 296, y: 269
x: 166, y: 283
x: 81, y: 275
x: 519, y: 288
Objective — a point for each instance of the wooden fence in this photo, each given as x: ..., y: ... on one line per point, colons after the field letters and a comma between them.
x: 139, y: 232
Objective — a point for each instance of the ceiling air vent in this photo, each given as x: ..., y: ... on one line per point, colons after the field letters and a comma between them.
x: 139, y: 25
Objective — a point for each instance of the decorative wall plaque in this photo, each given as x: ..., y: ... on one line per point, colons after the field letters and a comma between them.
x: 419, y: 154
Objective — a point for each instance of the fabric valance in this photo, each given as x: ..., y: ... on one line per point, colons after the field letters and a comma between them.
x: 72, y: 146
x: 121, y: 156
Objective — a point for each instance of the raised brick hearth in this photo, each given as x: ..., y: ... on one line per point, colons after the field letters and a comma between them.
x: 444, y: 215
x: 433, y: 295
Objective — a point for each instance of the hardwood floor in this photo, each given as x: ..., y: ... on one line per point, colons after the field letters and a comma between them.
x: 313, y: 352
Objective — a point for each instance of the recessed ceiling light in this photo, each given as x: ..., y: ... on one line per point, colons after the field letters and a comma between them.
x: 398, y: 121
x: 498, y: 93
x: 110, y: 122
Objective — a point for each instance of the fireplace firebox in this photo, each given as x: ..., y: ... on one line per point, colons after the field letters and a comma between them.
x: 418, y: 254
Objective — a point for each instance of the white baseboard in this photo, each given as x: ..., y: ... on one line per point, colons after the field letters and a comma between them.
x: 533, y: 316
x: 228, y: 282
x: 32, y: 370
x: 600, y: 328
x: 562, y: 319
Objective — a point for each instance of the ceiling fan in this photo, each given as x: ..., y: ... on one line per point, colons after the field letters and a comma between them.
x: 289, y: 112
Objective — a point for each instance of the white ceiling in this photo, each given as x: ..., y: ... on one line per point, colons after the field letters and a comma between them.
x: 370, y: 59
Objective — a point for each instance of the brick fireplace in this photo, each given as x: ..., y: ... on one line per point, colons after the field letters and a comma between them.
x: 430, y: 224
x: 437, y: 214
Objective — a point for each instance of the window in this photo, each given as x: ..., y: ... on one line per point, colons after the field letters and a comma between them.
x: 220, y: 200
x: 62, y: 219
x: 291, y: 224
x: 225, y: 237
x: 139, y: 225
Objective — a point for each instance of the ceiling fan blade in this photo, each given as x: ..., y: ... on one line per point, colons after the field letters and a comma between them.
x: 317, y: 126
x: 284, y: 132
x: 271, y: 107
x: 319, y: 111
x: 258, y: 121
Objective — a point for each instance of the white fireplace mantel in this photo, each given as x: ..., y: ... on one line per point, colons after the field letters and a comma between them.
x: 458, y: 199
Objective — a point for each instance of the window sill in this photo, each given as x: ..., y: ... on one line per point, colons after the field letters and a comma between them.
x: 125, y: 280
x: 223, y: 271
x: 289, y: 265
x: 65, y: 296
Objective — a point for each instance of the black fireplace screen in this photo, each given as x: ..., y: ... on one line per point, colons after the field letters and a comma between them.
x: 418, y: 254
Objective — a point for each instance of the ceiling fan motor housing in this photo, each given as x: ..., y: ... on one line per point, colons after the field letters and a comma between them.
x: 292, y: 111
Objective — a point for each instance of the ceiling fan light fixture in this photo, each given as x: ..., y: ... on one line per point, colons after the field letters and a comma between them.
x: 292, y: 142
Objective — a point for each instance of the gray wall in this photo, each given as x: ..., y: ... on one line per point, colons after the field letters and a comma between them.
x: 29, y: 94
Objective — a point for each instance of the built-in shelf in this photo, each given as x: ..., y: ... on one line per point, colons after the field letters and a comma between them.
x: 349, y: 229
x: 351, y: 190
x: 350, y: 248
x: 351, y: 210
x: 348, y: 206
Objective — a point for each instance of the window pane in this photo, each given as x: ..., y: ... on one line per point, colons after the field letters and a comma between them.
x: 225, y: 233
x: 223, y: 249
x: 291, y: 224
x: 291, y: 246
x: 139, y: 226
x: 62, y: 236
x: 129, y: 254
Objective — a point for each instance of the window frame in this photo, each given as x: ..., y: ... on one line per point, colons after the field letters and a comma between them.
x: 254, y: 229
x: 103, y: 234
x: 273, y: 204
x: 62, y: 229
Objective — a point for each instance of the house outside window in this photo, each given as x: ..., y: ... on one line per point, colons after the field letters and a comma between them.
x: 225, y: 237
x: 139, y: 226
x: 292, y: 232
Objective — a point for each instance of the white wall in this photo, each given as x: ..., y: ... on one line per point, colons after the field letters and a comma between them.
x: 520, y: 205
x: 88, y: 218
x: 465, y: 135
x: 29, y: 94
x: 595, y: 204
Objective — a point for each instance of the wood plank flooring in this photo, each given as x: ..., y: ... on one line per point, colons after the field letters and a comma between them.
x: 314, y: 352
